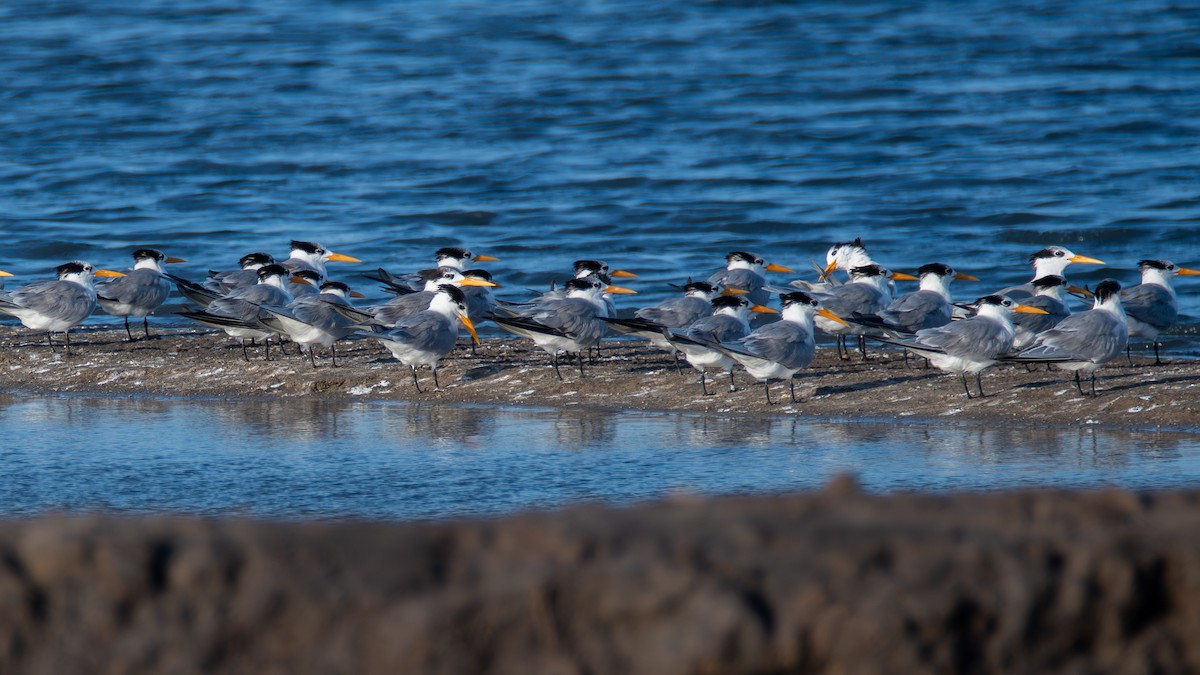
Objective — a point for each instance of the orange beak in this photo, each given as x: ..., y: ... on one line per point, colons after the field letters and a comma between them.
x: 342, y: 258
x: 965, y: 277
x: 828, y: 270
x: 299, y: 280
x: 622, y: 274
x: 1026, y: 309
x: 108, y: 273
x: 485, y: 258
x: 734, y: 291
x: 831, y: 316
x: 763, y: 309
x: 1076, y: 290
x: 1084, y: 260
x: 5, y: 274
x: 1187, y: 272
x: 174, y: 260
x: 356, y: 294
x: 619, y: 290
x: 472, y: 281
x: 778, y: 268
x: 470, y: 327
x: 901, y: 276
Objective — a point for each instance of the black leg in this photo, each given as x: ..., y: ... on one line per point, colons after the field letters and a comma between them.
x: 146, y: 326
x: 792, y: 388
x: 50, y: 341
x: 130, y: 335
x: 1157, y: 361
x: 703, y: 387
x: 244, y: 354
x: 267, y: 348
x: 415, y: 383
x: 732, y: 386
x: 312, y: 356
x: 1078, y: 385
x: 767, y: 391
x: 862, y: 346
x: 906, y: 359
x: 67, y: 337
x: 1093, y: 384
x: 437, y: 386
x: 678, y: 369
x: 967, y: 389
x: 555, y: 362
x: 1127, y: 357
x: 979, y: 384
x: 333, y: 353
x: 581, y: 363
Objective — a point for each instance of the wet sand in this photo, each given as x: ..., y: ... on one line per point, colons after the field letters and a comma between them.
x: 834, y: 582
x: 629, y: 375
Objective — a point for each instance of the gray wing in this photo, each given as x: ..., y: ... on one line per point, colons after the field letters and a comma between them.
x: 1151, y: 304
x: 245, y: 303
x: 717, y: 328
x: 480, y: 302
x: 232, y: 280
x: 319, y: 312
x: 676, y: 312
x: 915, y: 311
x: 140, y: 288
x: 60, y: 299
x: 1019, y: 293
x: 746, y: 280
x: 403, y: 306
x: 782, y: 342
x: 1094, y: 335
x: 572, y: 316
x: 976, y: 338
x: 425, y: 331
x: 851, y: 299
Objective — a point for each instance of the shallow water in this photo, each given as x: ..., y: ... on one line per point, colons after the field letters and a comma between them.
x: 658, y: 135
x: 302, y: 460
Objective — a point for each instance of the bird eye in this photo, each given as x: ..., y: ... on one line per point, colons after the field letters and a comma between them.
x: 1058, y: 254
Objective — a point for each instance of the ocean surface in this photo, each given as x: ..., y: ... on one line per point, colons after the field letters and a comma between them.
x: 655, y: 135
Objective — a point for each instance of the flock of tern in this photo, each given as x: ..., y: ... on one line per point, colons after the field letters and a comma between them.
x: 709, y: 325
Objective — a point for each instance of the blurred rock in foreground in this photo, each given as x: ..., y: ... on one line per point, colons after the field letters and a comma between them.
x: 835, y: 582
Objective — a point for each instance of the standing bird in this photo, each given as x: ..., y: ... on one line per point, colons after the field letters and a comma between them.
x: 730, y: 321
x: 56, y: 306
x: 238, y: 314
x: 1050, y: 297
x: 312, y: 320
x: 744, y: 271
x: 928, y: 307
x: 422, y: 339
x: 1052, y: 260
x: 410, y: 302
x: 778, y: 350
x: 307, y: 255
x: 1150, y: 306
x: 139, y: 292
x: 867, y: 293
x: 1085, y: 341
x: 677, y: 313
x: 571, y: 325
x: 972, y: 344
x: 245, y: 275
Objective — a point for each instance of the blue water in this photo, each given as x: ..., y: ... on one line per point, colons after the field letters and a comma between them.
x: 289, y: 459
x: 657, y: 135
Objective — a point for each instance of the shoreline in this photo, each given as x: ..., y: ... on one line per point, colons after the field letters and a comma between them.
x: 193, y: 363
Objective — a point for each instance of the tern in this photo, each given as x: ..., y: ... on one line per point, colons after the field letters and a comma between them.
x: 972, y: 344
x: 459, y: 258
x: 238, y: 314
x: 678, y: 313
x: 245, y: 275
x: 307, y: 255
x: 422, y: 339
x: 571, y: 325
x: 1052, y: 260
x: 140, y: 292
x: 56, y: 306
x: 777, y: 351
x: 1085, y: 341
x: 867, y: 293
x: 1049, y: 296
x: 1150, y: 306
x: 312, y: 320
x: 454, y: 257
x: 410, y: 302
x: 928, y: 307
x: 730, y: 321
x: 744, y: 271
x: 846, y: 256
